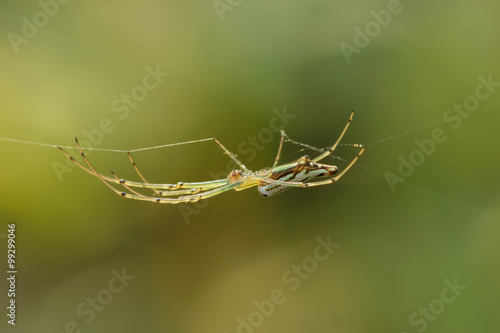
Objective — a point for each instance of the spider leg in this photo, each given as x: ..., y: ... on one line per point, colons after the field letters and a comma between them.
x: 178, y: 192
x: 285, y: 183
x: 278, y: 155
x: 305, y: 145
x: 211, y: 193
x: 324, y: 151
x: 139, y: 173
x: 182, y: 199
x: 343, y: 172
x: 168, y: 192
x: 134, y: 195
x: 186, y: 188
x: 232, y: 156
x: 98, y: 175
x: 82, y: 167
x: 332, y: 148
x: 123, y: 182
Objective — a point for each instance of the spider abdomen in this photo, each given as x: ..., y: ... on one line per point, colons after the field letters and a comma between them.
x: 302, y: 170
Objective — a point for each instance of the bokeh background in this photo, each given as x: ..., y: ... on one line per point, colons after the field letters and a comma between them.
x: 199, y: 268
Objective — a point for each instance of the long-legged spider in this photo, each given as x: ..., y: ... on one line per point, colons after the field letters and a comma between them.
x: 269, y: 181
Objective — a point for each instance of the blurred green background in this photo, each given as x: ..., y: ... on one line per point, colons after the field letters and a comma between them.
x: 200, y: 268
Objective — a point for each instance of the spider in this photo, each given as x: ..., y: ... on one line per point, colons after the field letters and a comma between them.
x: 269, y: 181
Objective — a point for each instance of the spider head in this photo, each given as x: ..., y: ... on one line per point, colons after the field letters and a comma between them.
x: 235, y: 176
